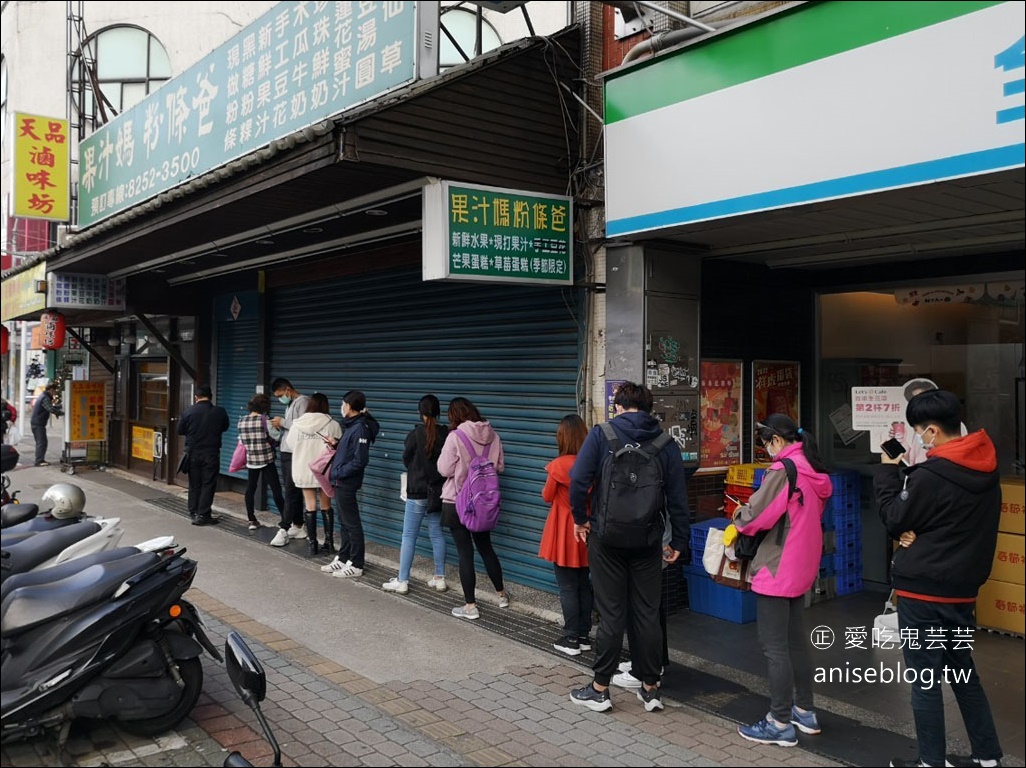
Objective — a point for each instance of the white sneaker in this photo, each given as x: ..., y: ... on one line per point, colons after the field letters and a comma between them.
x: 626, y: 680
x: 335, y: 565
x: 438, y: 583
x: 297, y: 532
x: 281, y: 538
x: 394, y: 585
x: 462, y: 612
x: 504, y: 600
x: 625, y: 666
x: 347, y: 571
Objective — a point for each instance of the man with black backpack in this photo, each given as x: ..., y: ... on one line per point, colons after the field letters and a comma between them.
x: 636, y: 481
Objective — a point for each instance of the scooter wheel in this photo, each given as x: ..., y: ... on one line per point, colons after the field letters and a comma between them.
x: 191, y: 671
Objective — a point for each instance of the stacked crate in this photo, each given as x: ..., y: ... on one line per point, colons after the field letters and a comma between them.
x: 842, y: 518
x: 705, y: 595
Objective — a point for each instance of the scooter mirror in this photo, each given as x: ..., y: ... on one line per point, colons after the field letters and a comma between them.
x: 244, y: 670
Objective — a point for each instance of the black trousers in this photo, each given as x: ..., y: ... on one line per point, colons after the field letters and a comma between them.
x: 628, y: 587
x: 465, y: 544
x: 203, y: 471
x: 253, y: 482
x: 351, y: 543
x: 292, y: 512
x: 781, y: 629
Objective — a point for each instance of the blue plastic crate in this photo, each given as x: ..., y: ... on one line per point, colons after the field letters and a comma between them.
x: 826, y: 566
x: 848, y: 539
x: 847, y: 585
x: 699, y: 533
x: 846, y: 482
x: 707, y: 597
x: 847, y: 563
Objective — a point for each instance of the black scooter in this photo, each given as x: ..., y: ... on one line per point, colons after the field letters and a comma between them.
x: 105, y: 636
x: 247, y: 675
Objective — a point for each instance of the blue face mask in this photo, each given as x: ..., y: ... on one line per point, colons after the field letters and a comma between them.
x: 284, y: 399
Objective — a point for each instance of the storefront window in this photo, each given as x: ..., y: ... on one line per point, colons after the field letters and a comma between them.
x: 966, y: 338
x: 151, y: 392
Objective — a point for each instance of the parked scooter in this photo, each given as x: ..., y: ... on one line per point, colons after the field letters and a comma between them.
x: 247, y: 675
x: 15, y: 512
x: 58, y: 536
x: 63, y: 503
x: 114, y: 640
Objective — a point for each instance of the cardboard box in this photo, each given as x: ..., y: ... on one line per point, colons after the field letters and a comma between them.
x: 1009, y: 559
x: 1012, y: 507
x: 1002, y: 606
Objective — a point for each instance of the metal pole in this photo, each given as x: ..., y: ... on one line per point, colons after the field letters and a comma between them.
x: 674, y: 15
x: 22, y: 394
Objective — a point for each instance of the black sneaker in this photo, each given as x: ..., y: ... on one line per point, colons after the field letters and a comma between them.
x: 201, y: 520
x: 650, y: 699
x: 568, y: 645
x: 584, y: 643
x: 898, y: 762
x: 594, y: 700
x: 960, y: 761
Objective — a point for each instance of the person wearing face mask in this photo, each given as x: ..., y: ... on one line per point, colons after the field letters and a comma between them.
x: 785, y: 567
x: 945, y: 514
x: 292, y: 523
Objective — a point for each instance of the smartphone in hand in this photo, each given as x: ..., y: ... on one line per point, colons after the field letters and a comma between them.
x: 893, y: 448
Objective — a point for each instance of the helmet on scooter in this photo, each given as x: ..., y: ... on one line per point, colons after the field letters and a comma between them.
x: 65, y: 500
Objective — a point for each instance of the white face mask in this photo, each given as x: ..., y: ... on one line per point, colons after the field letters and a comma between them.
x: 772, y: 454
x: 922, y: 443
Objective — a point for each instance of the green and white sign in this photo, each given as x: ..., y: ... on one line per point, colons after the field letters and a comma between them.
x: 824, y: 101
x: 298, y: 64
x: 473, y: 232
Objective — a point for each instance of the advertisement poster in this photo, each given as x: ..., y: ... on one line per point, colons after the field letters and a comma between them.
x: 775, y: 387
x: 721, y: 399
x: 611, y: 386
x: 881, y: 412
x: 84, y: 409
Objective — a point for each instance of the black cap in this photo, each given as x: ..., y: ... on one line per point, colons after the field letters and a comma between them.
x: 203, y: 390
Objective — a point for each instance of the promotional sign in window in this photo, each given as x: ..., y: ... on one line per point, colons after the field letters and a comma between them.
x: 721, y: 399
x: 473, y: 232
x: 775, y: 387
x: 41, y: 189
x: 295, y: 66
x: 84, y: 410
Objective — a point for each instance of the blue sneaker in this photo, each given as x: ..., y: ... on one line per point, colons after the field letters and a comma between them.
x: 765, y: 732
x: 592, y: 699
x: 805, y: 722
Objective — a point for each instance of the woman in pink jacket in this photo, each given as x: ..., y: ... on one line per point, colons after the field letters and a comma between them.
x: 785, y: 567
x: 453, y: 465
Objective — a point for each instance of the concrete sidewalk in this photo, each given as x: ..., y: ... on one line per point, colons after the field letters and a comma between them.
x: 360, y: 677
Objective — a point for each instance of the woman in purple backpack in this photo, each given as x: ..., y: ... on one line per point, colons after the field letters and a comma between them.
x: 469, y: 430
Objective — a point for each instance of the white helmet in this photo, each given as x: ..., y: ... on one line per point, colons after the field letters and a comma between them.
x: 65, y: 500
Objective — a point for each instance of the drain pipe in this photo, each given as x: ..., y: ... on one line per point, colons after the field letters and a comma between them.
x: 660, y: 42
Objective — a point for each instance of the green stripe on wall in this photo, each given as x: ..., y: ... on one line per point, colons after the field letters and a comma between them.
x: 790, y: 39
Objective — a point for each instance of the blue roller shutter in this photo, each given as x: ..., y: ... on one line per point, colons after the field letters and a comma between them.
x: 512, y: 350
x: 237, y: 346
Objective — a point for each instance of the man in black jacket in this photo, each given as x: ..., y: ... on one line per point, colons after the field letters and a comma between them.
x: 202, y: 425
x: 41, y: 411
x: 944, y: 512
x: 627, y: 579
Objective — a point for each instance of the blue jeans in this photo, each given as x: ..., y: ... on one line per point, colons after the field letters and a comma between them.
x: 950, y: 661
x: 416, y: 511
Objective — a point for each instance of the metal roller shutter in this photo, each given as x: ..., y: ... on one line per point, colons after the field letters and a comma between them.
x: 237, y: 342
x: 512, y: 350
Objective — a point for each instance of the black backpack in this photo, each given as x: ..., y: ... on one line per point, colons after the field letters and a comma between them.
x: 746, y: 546
x: 631, y: 512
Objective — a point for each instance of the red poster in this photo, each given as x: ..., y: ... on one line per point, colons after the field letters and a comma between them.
x: 775, y: 388
x: 721, y: 396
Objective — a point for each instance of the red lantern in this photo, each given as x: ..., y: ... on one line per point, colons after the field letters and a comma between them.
x: 5, y: 337
x: 54, y: 330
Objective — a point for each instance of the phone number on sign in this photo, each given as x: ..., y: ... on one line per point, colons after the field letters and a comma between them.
x: 168, y: 170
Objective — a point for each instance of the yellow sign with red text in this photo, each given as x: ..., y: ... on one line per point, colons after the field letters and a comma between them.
x: 41, y: 163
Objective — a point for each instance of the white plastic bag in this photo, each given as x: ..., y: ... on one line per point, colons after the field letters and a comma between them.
x: 402, y: 486
x: 13, y: 436
x: 713, y: 554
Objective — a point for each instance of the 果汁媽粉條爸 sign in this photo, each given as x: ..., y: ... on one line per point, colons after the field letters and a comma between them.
x: 474, y: 232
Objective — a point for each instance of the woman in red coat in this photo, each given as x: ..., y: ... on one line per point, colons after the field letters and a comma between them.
x: 568, y: 556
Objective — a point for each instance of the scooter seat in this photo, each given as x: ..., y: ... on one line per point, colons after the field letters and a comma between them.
x: 26, y: 554
x: 12, y: 514
x: 65, y: 569
x: 28, y: 606
x: 36, y: 524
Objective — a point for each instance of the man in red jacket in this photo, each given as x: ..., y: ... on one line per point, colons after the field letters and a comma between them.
x: 945, y: 513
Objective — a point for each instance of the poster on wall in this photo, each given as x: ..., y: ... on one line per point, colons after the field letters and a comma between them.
x: 85, y: 418
x: 721, y: 404
x: 611, y: 386
x: 775, y: 388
